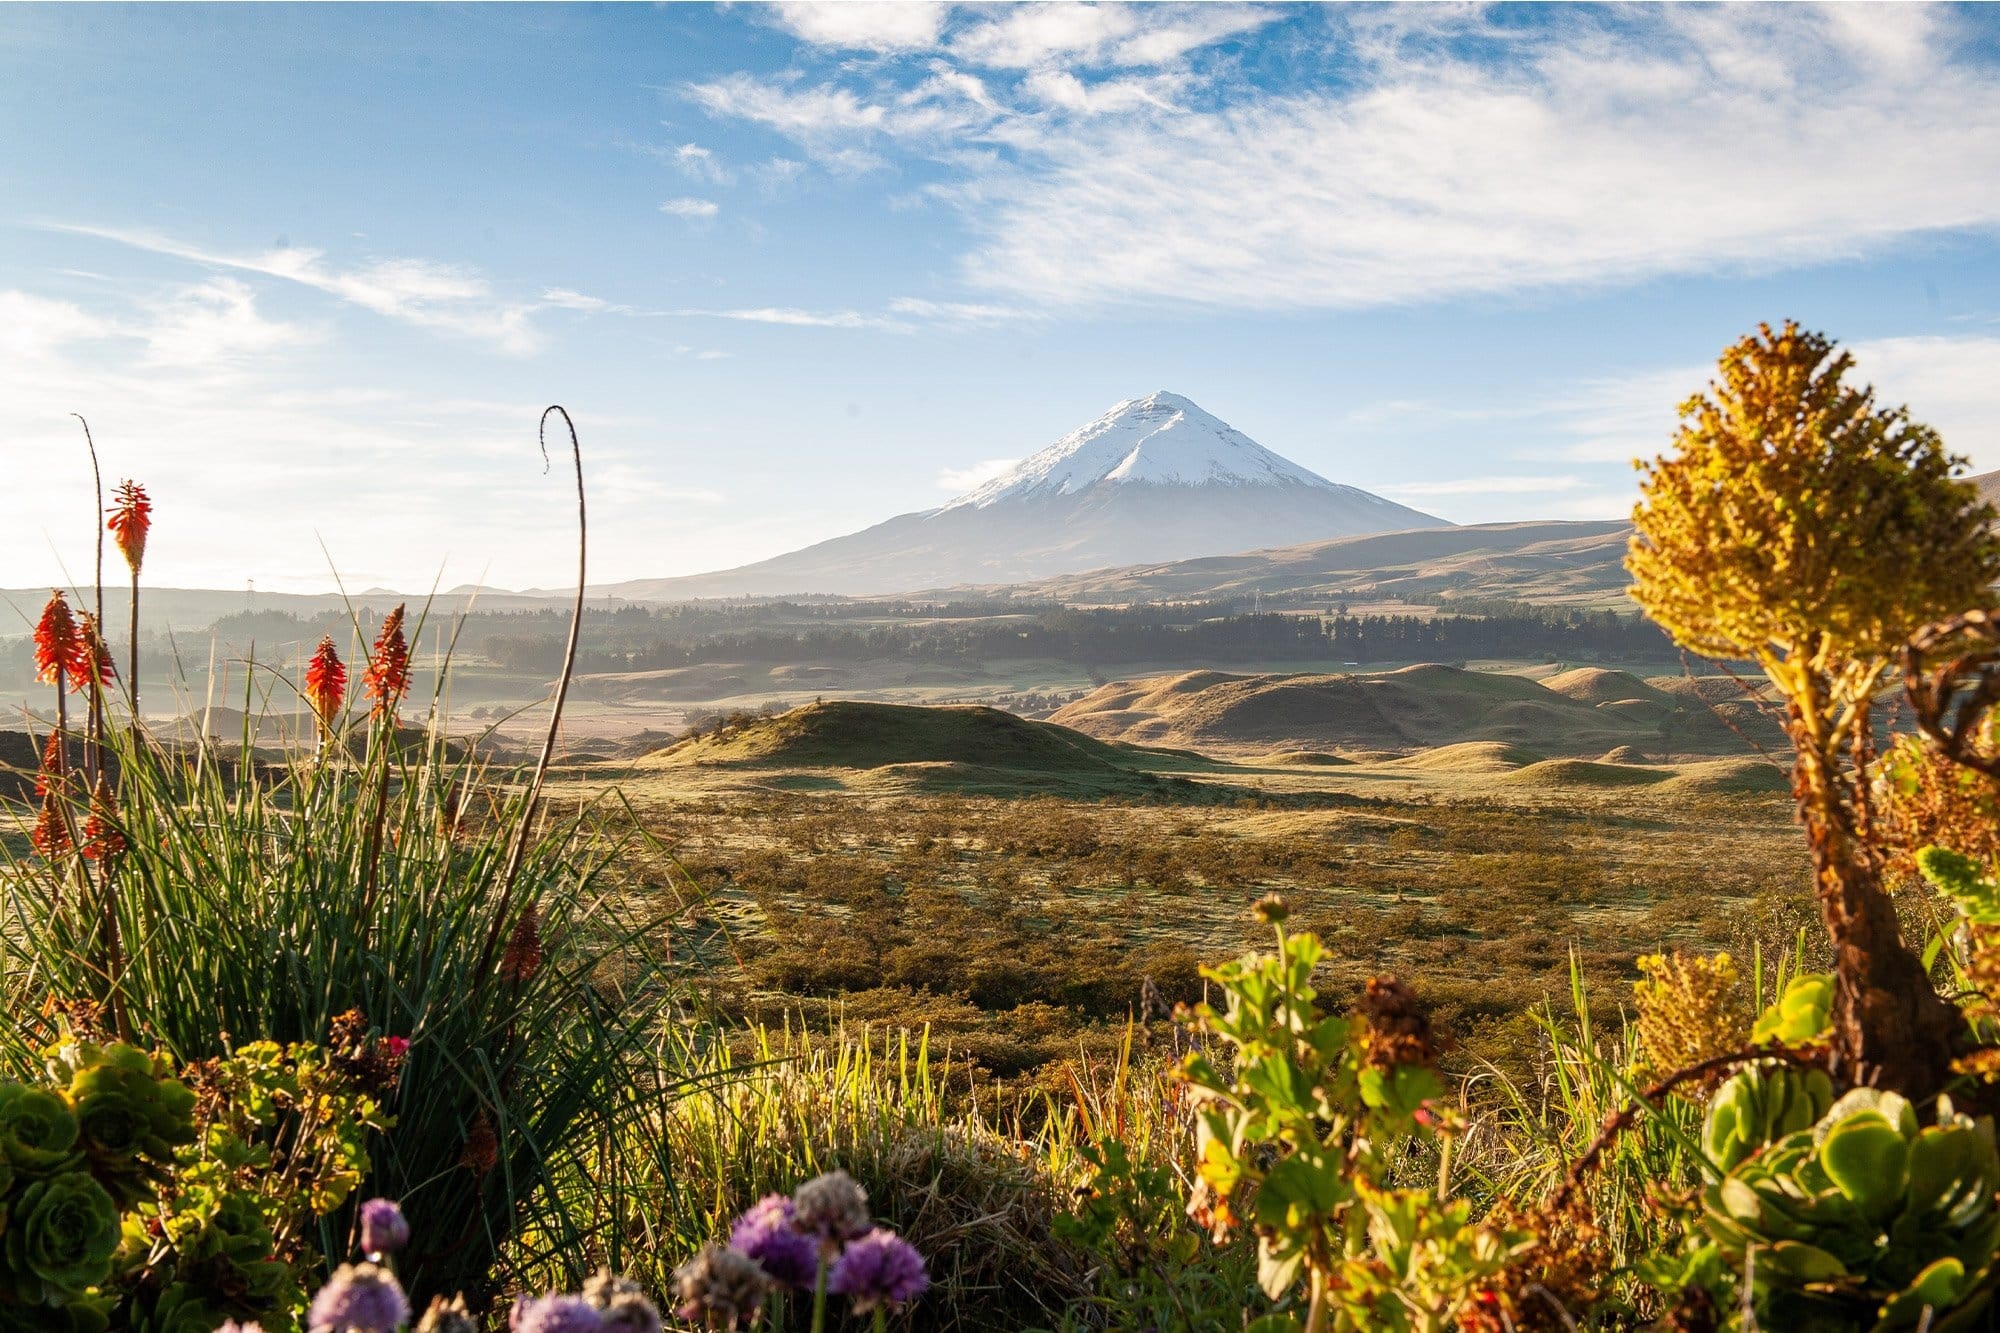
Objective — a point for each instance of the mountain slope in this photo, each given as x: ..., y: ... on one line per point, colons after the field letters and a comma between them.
x: 1572, y: 562
x: 1154, y: 479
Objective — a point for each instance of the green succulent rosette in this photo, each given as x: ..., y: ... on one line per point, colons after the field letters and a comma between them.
x: 130, y: 1119
x: 181, y: 1309
x: 38, y: 1131
x: 82, y: 1314
x: 61, y: 1234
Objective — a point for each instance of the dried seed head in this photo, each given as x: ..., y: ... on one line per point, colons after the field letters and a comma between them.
x: 832, y: 1207
x: 1272, y: 909
x: 451, y: 1316
x: 720, y: 1288
x: 1399, y: 1027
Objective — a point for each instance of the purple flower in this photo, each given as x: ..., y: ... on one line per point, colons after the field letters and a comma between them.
x: 384, y: 1229
x: 879, y: 1269
x: 359, y: 1298
x: 766, y: 1234
x: 555, y: 1314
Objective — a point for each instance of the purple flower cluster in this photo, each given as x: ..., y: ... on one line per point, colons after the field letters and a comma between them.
x: 820, y: 1234
x: 384, y: 1229
x: 879, y: 1269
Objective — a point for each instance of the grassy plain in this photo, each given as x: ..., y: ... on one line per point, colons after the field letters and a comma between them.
x: 1025, y: 891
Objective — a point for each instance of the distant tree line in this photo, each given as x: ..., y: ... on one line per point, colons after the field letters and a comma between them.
x: 640, y: 638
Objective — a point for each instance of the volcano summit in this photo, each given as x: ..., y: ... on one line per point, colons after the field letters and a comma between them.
x: 1154, y: 479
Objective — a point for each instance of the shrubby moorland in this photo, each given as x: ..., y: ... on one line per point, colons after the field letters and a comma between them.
x: 365, y: 1031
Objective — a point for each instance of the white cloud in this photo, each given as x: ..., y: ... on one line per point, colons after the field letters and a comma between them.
x: 1600, y: 147
x: 449, y: 298
x: 959, y: 312
x: 877, y: 25
x: 562, y: 298
x: 818, y: 319
x: 1952, y: 384
x: 1030, y: 35
x: 216, y: 321
x: 961, y: 479
x: 702, y: 164
x: 694, y: 210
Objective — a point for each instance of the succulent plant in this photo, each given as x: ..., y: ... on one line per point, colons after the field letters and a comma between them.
x: 1861, y: 1206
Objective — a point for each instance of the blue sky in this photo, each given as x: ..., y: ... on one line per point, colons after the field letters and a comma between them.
x: 313, y: 272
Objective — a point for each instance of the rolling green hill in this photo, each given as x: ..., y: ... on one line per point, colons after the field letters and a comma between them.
x: 1578, y: 714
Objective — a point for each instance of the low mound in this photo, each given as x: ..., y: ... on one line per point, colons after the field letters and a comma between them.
x: 1584, y: 773
x: 843, y: 734
x: 1473, y: 757
x: 1417, y: 708
x: 1624, y: 754
x: 1597, y: 685
x: 1729, y: 777
x: 1307, y: 759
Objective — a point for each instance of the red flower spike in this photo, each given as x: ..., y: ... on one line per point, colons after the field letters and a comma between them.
x: 51, y: 835
x: 60, y: 648
x: 101, y: 838
x: 388, y: 676
x: 95, y: 659
x: 131, y: 518
x: 326, y: 683
x: 55, y: 765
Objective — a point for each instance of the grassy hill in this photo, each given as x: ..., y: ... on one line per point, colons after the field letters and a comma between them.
x: 1580, y: 714
x: 964, y: 747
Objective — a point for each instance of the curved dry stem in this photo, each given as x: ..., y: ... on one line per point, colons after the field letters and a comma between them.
x: 520, y: 844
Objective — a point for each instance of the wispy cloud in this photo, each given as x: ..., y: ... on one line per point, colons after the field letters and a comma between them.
x: 1099, y: 158
x: 694, y: 210
x: 447, y: 298
x: 960, y: 479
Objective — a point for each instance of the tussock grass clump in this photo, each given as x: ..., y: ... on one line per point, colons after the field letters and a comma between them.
x: 975, y: 1197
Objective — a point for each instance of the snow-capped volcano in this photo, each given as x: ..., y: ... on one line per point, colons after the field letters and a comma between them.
x: 1153, y: 480
x: 1162, y: 439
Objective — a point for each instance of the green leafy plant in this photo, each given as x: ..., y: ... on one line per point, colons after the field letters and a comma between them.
x: 1298, y: 1122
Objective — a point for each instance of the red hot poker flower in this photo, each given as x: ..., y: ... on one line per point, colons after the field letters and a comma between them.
x: 101, y: 838
x: 326, y: 683
x: 388, y: 676
x: 61, y: 651
x: 95, y: 659
x: 54, y: 765
x: 51, y: 835
x: 131, y: 518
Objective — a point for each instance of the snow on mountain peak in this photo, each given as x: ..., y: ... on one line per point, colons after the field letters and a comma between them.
x: 1162, y: 439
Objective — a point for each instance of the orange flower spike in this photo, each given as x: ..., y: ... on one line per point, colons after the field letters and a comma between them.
x: 101, y: 838
x: 51, y: 835
x: 60, y: 648
x: 131, y: 518
x: 388, y: 676
x: 93, y: 658
x: 326, y: 683
x: 54, y: 765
